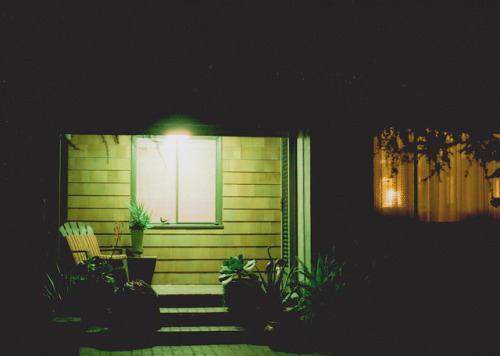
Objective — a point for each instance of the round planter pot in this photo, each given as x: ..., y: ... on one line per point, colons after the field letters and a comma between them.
x: 137, y: 238
x: 242, y: 297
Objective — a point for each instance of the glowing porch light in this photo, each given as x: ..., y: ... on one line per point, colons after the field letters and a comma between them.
x: 178, y: 135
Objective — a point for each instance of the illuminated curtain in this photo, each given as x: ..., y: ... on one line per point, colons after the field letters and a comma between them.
x: 457, y: 193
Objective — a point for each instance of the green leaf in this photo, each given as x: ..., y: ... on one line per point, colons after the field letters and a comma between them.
x: 250, y: 265
x: 225, y: 279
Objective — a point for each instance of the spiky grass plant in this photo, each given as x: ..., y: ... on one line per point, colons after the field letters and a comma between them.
x: 276, y: 285
x: 319, y: 287
x: 58, y: 291
x: 140, y: 216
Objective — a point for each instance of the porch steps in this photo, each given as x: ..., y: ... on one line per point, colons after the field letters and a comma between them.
x: 189, y: 315
x: 194, y: 314
x: 194, y: 296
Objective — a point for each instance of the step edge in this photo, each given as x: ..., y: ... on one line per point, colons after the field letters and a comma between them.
x: 193, y: 310
x: 191, y: 329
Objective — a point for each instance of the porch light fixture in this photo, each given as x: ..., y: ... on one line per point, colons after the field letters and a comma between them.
x: 178, y: 135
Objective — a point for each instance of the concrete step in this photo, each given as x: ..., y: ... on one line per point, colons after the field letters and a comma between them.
x: 195, y: 316
x: 190, y: 314
x: 170, y: 335
x: 184, y: 296
x: 189, y: 301
x: 201, y: 335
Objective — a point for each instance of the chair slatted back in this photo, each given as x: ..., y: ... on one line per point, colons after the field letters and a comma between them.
x: 75, y: 243
x: 80, y: 238
x: 75, y: 228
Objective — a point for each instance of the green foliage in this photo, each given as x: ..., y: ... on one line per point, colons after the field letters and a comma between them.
x: 94, y: 289
x: 236, y: 266
x: 94, y: 270
x: 140, y: 216
x: 319, y: 288
x: 88, y: 286
x: 58, y: 292
x: 277, y: 286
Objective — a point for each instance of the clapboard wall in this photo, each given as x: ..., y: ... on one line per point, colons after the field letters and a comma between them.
x: 99, y: 184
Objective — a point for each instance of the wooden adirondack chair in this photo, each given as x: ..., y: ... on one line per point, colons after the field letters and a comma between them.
x: 83, y: 245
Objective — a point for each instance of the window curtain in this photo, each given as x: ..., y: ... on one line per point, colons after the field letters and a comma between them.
x: 457, y: 193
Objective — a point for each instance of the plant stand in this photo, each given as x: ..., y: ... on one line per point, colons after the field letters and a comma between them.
x: 141, y: 267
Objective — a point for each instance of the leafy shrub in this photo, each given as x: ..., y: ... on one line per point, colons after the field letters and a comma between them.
x: 94, y: 288
x: 319, y: 287
x: 236, y: 267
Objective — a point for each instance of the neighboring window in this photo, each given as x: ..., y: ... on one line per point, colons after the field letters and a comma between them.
x: 179, y: 179
x: 460, y: 191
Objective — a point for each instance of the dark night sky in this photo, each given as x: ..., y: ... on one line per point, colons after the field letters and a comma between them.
x: 98, y: 65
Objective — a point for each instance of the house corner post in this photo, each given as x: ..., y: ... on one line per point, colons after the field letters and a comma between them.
x: 304, y: 197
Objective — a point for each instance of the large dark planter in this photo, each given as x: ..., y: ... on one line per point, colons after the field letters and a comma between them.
x: 243, y: 298
x: 94, y: 299
x: 136, y: 309
x: 285, y: 332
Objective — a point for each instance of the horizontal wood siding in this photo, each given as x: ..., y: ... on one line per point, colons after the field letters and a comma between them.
x: 99, y: 185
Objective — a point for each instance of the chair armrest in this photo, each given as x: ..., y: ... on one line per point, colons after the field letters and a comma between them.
x: 121, y: 249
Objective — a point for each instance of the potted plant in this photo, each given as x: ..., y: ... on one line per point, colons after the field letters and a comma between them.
x: 94, y: 289
x: 241, y: 289
x: 278, y: 291
x: 136, y: 310
x: 320, y: 286
x: 140, y: 220
x: 280, y: 294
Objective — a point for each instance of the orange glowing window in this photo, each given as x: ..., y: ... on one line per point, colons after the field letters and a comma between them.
x: 463, y: 189
x: 391, y: 196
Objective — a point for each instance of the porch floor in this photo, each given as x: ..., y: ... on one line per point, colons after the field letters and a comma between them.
x: 214, y: 350
x: 187, y: 289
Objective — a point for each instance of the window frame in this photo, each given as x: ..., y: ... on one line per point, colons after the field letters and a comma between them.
x: 218, y: 186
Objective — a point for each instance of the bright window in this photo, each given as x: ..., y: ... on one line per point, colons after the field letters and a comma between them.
x: 179, y: 179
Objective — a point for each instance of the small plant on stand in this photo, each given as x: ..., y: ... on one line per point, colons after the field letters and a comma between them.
x: 140, y: 220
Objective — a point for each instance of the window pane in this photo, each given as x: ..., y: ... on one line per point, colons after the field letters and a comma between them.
x: 155, y: 174
x: 197, y: 166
